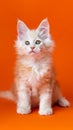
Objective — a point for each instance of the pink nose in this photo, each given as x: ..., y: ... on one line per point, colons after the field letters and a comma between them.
x: 32, y: 47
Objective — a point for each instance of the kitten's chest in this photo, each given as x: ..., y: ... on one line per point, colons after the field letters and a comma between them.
x: 33, y: 74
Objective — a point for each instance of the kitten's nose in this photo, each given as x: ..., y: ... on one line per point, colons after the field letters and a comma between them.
x: 32, y: 47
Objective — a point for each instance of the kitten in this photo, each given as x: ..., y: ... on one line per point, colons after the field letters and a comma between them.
x: 35, y: 83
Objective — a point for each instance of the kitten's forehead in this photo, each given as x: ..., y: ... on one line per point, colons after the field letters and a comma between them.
x: 32, y: 34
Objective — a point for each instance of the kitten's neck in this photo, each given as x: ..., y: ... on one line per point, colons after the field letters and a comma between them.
x: 31, y: 61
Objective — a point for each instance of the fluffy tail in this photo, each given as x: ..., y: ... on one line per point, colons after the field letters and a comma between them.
x: 7, y: 95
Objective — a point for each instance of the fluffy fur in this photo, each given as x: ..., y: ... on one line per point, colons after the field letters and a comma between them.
x: 35, y: 83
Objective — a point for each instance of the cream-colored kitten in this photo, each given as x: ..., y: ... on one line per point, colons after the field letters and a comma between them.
x: 35, y: 82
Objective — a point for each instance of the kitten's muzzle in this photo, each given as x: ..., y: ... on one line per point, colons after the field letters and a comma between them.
x: 32, y: 47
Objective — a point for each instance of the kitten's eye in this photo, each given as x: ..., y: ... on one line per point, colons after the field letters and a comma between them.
x: 37, y: 42
x: 27, y: 42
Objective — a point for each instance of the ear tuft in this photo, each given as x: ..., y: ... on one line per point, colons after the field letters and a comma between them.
x: 45, y: 23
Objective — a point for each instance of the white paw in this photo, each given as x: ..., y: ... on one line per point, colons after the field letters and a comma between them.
x: 46, y: 111
x: 64, y: 102
x: 23, y: 110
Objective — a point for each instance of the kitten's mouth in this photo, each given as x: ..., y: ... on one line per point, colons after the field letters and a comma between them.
x: 32, y: 52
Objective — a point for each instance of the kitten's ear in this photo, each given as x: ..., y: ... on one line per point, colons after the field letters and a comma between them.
x: 21, y: 29
x: 43, y: 29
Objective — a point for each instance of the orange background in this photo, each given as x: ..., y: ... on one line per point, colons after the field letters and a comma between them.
x: 60, y: 15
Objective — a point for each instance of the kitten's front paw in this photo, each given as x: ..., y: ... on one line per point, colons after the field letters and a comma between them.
x: 46, y: 111
x: 23, y: 110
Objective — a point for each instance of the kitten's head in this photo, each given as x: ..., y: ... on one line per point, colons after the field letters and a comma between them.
x: 33, y: 42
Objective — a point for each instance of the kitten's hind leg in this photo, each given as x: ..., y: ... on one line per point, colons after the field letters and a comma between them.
x: 61, y: 101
